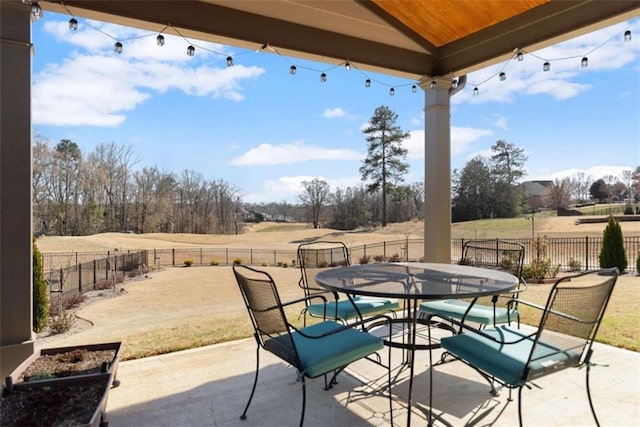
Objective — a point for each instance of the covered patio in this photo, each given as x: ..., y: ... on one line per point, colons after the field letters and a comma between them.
x: 187, y: 388
x: 434, y: 43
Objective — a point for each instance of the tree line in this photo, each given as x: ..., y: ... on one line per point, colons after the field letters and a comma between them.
x: 77, y: 194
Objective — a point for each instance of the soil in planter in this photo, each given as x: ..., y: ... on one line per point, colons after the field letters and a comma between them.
x: 59, y: 406
x: 77, y: 362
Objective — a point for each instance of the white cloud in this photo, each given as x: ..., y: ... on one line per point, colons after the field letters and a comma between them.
x: 461, y: 139
x: 296, y: 152
x: 595, y: 172
x: 605, y: 50
x: 290, y: 187
x: 96, y: 87
x: 501, y: 122
x: 333, y: 113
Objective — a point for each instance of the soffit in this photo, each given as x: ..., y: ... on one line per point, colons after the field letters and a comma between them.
x: 407, y: 38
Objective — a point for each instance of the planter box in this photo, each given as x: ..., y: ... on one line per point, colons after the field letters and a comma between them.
x: 89, y: 368
x: 62, y: 386
x: 78, y: 401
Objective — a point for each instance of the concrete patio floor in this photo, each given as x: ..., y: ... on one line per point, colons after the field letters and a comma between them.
x: 209, y: 386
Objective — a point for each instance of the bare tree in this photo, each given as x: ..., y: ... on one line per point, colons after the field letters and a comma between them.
x: 316, y: 195
x: 557, y: 195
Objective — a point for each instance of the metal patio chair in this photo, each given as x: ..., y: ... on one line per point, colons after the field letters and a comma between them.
x: 317, y: 256
x: 495, y: 254
x: 325, y: 348
x: 514, y: 357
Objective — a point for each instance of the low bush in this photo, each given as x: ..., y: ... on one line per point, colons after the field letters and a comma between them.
x: 237, y: 261
x: 379, y: 258
x: 365, y: 259
x: 188, y: 262
x: 395, y: 258
x: 574, y: 264
x: 62, y: 323
x: 214, y: 262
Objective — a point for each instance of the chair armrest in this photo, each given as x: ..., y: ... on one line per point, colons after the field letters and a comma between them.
x: 302, y: 299
x: 542, y: 308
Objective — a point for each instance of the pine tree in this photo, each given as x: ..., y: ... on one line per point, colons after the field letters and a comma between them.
x: 40, y: 299
x: 612, y: 253
x: 385, y: 163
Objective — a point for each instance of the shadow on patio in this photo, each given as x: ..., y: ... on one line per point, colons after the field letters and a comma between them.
x: 210, y: 386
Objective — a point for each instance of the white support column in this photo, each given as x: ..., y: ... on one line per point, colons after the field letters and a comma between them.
x: 16, y: 338
x: 437, y: 170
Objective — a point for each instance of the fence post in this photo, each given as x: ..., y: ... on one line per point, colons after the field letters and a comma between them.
x: 95, y: 275
x: 201, y: 256
x: 173, y: 257
x: 275, y: 257
x: 226, y: 255
x: 79, y: 268
x: 586, y: 252
x: 384, y: 250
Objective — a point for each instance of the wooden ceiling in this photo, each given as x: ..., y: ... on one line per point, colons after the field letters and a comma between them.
x: 407, y: 38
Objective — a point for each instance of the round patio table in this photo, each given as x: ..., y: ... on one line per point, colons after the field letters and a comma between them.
x: 414, y: 282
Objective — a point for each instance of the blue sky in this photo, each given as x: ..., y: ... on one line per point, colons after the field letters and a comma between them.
x: 265, y: 131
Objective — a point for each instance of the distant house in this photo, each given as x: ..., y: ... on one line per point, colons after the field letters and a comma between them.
x: 536, y: 191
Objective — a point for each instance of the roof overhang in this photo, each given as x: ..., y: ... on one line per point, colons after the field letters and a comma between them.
x: 411, y: 39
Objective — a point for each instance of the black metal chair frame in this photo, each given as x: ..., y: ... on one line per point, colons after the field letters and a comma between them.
x: 262, y: 334
x: 549, y: 310
x: 307, y: 251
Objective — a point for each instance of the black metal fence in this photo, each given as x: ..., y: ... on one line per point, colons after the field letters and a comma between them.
x: 79, y: 272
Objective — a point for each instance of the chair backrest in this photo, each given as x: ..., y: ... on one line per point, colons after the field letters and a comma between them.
x: 317, y: 256
x: 573, y: 312
x: 268, y: 318
x: 494, y: 253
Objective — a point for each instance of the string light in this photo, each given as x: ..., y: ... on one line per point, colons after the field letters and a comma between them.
x: 36, y: 10
x: 519, y: 53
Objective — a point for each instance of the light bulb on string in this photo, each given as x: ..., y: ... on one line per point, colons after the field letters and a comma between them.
x: 520, y: 56
x: 73, y: 24
x: 160, y: 40
x: 367, y: 83
x: 585, y: 62
x: 292, y: 69
x: 627, y: 36
x: 117, y: 48
x: 323, y: 77
x: 454, y: 83
x: 503, y: 76
x: 191, y: 50
x: 347, y: 66
x: 476, y: 91
x: 392, y: 91
x: 546, y: 66
x: 229, y: 61
x: 414, y: 89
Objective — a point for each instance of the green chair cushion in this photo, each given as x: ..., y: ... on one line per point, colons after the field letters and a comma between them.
x: 455, y: 309
x: 507, y: 362
x: 319, y: 356
x: 346, y: 310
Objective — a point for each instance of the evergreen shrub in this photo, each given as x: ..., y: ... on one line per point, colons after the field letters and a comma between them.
x: 40, y: 297
x: 612, y: 253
